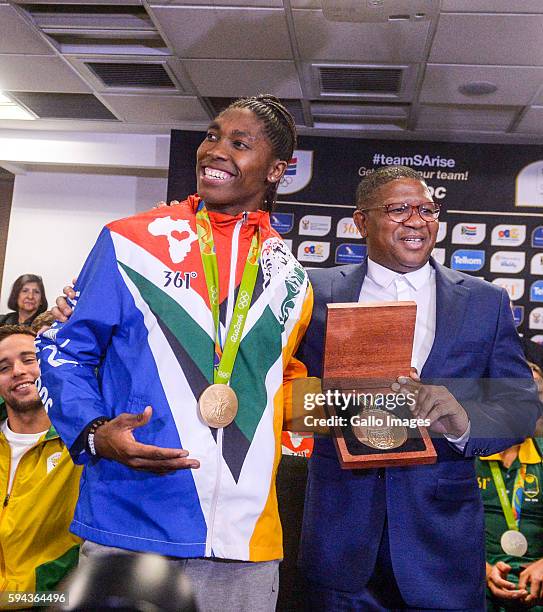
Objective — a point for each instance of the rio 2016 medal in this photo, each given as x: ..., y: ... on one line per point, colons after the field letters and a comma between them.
x: 218, y: 405
x: 514, y: 543
x: 375, y: 431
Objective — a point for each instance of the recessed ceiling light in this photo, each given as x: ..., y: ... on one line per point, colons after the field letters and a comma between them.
x: 477, y: 88
x: 12, y: 110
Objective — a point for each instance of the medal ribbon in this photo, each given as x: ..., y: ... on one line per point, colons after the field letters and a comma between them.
x: 511, y: 511
x: 225, y: 354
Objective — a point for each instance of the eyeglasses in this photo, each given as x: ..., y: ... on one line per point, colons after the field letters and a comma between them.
x: 402, y: 212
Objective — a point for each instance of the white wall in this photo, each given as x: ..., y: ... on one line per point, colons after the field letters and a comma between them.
x: 56, y: 217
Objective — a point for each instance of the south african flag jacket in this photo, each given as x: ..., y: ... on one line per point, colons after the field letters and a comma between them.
x: 142, y: 335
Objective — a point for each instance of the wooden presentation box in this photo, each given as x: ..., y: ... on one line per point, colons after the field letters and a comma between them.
x: 367, y: 346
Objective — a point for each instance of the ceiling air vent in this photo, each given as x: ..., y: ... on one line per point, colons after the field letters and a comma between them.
x: 98, y: 28
x: 102, y: 16
x: 358, y: 80
x: 64, y: 105
x: 359, y: 115
x: 109, y: 42
x: 123, y: 74
x: 294, y: 107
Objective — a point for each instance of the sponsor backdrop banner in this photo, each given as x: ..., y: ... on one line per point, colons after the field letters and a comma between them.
x: 492, y: 198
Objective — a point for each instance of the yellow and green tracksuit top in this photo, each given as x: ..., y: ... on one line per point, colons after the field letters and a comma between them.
x: 36, y: 548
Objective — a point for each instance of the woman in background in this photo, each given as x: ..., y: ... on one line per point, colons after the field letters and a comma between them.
x: 27, y: 300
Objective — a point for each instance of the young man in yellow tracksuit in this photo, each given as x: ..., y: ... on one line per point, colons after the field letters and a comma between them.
x: 39, y: 483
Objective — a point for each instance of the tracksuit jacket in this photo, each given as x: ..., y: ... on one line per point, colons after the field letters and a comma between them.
x: 144, y: 324
x: 36, y: 548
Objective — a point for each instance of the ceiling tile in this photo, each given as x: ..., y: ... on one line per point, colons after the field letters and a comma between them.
x: 516, y: 86
x: 513, y: 40
x: 108, y: 2
x: 225, y: 33
x: 63, y: 105
x: 229, y: 78
x: 492, y: 6
x: 532, y: 122
x: 17, y: 36
x: 446, y: 118
x: 538, y: 100
x: 38, y: 73
x: 320, y: 39
x: 156, y: 109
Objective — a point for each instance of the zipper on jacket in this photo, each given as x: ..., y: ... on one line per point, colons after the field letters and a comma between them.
x: 8, y: 496
x: 214, y: 499
x: 6, y: 500
x: 220, y: 431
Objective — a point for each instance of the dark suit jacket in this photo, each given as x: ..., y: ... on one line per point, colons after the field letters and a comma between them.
x: 434, y: 513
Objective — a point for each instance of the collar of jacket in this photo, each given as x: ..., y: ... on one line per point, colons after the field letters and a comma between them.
x: 258, y: 218
x: 51, y: 432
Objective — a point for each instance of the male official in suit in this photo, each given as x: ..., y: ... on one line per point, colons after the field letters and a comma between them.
x: 412, y: 537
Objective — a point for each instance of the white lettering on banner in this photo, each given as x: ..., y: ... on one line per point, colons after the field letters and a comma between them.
x: 415, y: 160
x: 437, y: 193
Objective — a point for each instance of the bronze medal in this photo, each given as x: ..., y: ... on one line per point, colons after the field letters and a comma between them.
x: 218, y: 405
x: 377, y: 432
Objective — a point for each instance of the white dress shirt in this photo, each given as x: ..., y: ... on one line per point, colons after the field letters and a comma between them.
x: 384, y: 285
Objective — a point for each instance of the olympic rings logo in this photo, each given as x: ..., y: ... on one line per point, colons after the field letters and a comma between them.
x: 286, y: 181
x: 243, y: 299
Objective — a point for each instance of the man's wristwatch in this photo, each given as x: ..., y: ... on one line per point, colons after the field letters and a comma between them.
x: 91, y: 432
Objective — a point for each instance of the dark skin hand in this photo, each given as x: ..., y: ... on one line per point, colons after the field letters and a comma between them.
x: 63, y: 310
x: 115, y: 440
x: 436, y: 403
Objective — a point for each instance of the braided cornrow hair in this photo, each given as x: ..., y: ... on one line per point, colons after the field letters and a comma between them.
x: 279, y: 127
